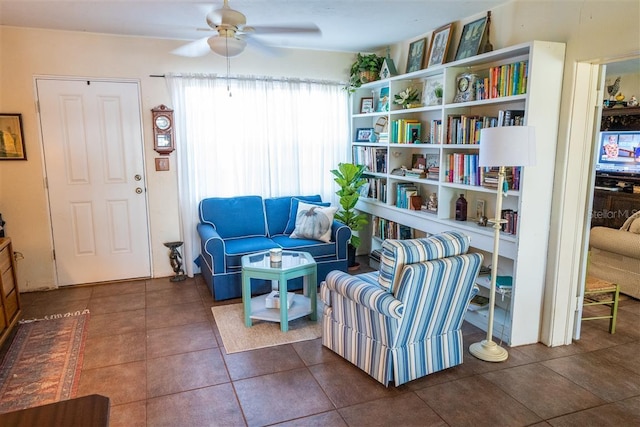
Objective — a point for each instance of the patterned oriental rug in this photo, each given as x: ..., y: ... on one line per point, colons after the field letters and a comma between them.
x: 43, y: 362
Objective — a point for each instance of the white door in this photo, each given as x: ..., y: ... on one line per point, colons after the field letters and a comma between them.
x: 93, y: 150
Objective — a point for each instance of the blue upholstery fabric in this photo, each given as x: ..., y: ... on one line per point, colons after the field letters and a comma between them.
x: 234, y: 217
x: 412, y: 332
x: 232, y: 227
x: 397, y: 253
x: 278, y: 211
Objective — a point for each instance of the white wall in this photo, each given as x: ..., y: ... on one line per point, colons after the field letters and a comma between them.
x: 27, y: 53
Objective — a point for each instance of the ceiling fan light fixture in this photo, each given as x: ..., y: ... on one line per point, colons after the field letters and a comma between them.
x: 227, y: 46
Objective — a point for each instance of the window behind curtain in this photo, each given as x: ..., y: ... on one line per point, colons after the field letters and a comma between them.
x: 271, y: 137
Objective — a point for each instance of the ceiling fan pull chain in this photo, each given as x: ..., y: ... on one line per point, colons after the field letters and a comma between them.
x: 228, y: 66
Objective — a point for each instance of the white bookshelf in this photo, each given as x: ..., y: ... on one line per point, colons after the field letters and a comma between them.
x: 523, y: 254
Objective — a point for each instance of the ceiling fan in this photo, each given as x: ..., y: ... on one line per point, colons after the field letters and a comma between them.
x: 233, y: 34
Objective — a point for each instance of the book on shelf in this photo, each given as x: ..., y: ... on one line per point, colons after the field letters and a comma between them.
x: 506, y: 80
x: 511, y: 216
x: 403, y: 190
x: 386, y: 229
x: 435, y: 131
x: 405, y: 131
x: 462, y: 168
x: 511, y: 118
x: 504, y: 284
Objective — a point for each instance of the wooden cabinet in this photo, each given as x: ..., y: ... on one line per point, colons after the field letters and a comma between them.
x: 9, y: 295
x: 612, y: 208
x: 446, y: 134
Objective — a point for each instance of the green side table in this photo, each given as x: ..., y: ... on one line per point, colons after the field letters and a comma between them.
x: 294, y: 264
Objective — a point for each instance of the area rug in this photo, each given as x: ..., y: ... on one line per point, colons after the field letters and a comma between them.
x: 43, y: 363
x: 236, y: 337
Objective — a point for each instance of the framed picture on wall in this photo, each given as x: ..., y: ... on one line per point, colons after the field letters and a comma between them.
x: 471, y: 37
x: 11, y: 140
x: 439, y: 45
x: 416, y: 55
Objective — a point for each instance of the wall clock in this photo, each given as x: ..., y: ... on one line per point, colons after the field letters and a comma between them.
x: 465, y: 87
x: 163, y: 130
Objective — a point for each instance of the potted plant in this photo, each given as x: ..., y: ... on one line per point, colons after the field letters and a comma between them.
x: 365, y: 69
x: 349, y: 177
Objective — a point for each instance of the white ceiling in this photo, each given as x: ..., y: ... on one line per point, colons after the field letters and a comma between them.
x: 346, y: 25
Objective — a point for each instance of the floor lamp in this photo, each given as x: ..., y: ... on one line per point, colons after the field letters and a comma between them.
x: 500, y: 147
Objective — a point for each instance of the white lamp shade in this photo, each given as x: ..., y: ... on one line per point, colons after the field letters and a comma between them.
x: 226, y: 46
x: 507, y: 146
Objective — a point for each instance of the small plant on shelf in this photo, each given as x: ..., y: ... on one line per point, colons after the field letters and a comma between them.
x: 365, y: 69
x: 408, y: 98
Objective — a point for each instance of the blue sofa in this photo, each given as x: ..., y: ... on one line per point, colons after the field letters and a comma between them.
x: 231, y: 227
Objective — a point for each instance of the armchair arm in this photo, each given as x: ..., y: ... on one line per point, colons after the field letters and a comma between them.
x: 615, y: 241
x: 340, y: 234
x: 213, y: 245
x: 367, y: 294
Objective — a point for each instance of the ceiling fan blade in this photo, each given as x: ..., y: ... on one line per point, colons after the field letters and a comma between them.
x: 258, y: 45
x: 198, y: 47
x: 310, y: 29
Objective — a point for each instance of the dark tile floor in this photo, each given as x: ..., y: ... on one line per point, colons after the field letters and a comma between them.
x: 154, y: 349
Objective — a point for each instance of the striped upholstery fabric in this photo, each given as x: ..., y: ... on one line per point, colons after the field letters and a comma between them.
x: 397, y: 253
x: 398, y: 337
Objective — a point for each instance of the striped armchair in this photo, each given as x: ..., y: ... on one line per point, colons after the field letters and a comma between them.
x: 404, y: 321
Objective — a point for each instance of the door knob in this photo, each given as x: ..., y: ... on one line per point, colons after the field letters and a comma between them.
x: 137, y: 177
x: 139, y: 190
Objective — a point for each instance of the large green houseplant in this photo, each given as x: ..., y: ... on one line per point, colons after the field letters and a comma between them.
x: 365, y: 69
x: 349, y: 177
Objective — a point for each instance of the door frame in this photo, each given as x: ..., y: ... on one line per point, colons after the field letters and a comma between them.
x: 137, y: 82
x: 566, y: 275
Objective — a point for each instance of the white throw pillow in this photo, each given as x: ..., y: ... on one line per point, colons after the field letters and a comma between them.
x: 313, y: 222
x: 635, y: 226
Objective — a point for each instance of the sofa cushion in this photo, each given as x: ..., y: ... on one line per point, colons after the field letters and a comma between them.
x: 398, y: 253
x: 313, y: 222
x: 277, y: 212
x: 293, y: 210
x: 235, y: 249
x: 635, y: 226
x: 234, y: 217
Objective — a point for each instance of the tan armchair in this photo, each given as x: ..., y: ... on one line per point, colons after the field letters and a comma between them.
x: 615, y: 255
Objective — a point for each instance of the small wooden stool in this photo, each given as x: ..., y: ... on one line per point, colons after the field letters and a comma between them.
x: 595, y: 287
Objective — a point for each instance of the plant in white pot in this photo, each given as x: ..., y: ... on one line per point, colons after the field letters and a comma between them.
x: 349, y: 177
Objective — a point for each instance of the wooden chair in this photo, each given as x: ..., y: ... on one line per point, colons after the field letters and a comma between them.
x: 595, y: 293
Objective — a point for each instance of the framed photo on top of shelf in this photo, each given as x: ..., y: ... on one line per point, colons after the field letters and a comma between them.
x: 439, y: 45
x: 471, y: 37
x: 11, y: 142
x: 366, y: 105
x: 363, y: 134
x: 416, y: 55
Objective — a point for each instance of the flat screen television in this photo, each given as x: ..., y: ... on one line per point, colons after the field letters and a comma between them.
x: 619, y: 153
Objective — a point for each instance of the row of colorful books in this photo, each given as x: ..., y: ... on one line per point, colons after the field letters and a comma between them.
x: 376, y: 188
x: 406, y: 131
x: 386, y: 229
x: 511, y: 225
x: 512, y: 177
x: 463, y: 129
x: 462, y: 168
x: 404, y: 192
x: 503, y: 80
x: 373, y: 158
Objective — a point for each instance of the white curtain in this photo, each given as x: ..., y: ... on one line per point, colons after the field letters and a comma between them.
x: 254, y: 135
